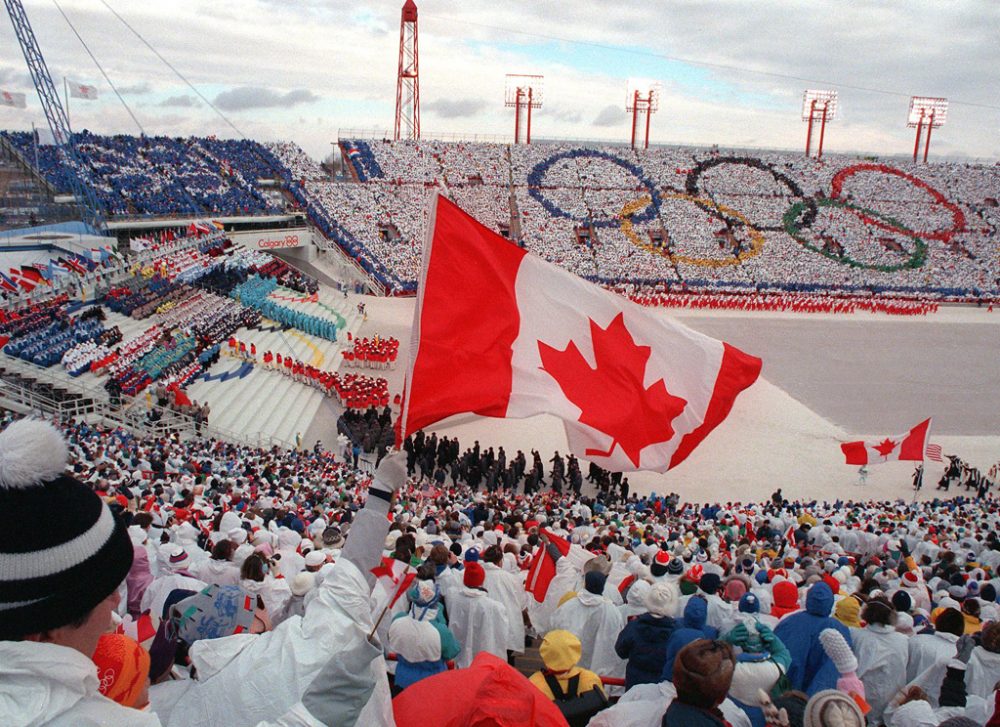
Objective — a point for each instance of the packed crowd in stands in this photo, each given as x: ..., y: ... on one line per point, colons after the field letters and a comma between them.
x: 680, y: 217
x: 767, y: 223
x: 182, y: 283
x: 647, y: 610
x: 158, y: 175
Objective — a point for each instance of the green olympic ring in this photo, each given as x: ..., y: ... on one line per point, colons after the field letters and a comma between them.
x: 917, y: 258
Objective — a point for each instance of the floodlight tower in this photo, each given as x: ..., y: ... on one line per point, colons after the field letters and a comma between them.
x: 929, y: 112
x: 408, y: 76
x: 527, y: 91
x: 820, y: 105
x: 642, y: 97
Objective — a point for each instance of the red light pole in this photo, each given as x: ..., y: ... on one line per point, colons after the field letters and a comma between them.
x: 642, y: 97
x: 525, y: 91
x: 926, y: 112
x: 408, y: 76
x: 823, y: 103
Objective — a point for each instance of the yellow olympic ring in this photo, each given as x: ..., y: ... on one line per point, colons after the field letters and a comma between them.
x: 756, y: 236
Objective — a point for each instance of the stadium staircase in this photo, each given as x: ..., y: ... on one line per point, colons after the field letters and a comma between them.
x: 270, y: 404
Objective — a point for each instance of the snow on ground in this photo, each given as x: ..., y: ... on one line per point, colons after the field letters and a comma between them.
x: 772, y: 438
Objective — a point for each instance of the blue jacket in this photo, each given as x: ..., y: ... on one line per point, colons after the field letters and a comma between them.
x: 644, y: 643
x: 693, y: 628
x: 811, y: 670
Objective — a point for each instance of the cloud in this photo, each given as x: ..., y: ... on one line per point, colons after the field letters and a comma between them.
x: 609, y: 116
x: 179, y: 102
x: 136, y: 89
x: 255, y: 97
x: 455, y: 108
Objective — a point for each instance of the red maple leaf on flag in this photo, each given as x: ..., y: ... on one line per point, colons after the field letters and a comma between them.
x: 612, y: 397
x: 885, y: 447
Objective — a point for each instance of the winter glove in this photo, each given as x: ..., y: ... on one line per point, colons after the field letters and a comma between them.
x: 390, y: 476
x: 739, y: 635
x: 963, y: 648
x: 767, y: 636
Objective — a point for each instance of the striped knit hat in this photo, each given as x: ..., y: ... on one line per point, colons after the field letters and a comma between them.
x: 61, y: 550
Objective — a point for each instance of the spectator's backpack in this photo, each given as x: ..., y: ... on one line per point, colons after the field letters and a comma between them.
x: 576, y: 708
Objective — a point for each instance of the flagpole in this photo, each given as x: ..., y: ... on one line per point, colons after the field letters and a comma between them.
x: 66, y: 96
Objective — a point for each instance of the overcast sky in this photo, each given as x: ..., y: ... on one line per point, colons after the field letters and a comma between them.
x: 733, y: 71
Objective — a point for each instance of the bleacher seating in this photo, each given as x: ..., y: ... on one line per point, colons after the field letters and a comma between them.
x: 161, y: 175
x: 672, y: 219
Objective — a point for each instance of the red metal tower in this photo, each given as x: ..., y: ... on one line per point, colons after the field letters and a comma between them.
x: 408, y: 77
x: 822, y: 106
x: 926, y: 113
x: 642, y: 96
x: 523, y: 91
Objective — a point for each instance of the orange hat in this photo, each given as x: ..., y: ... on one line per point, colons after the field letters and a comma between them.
x: 122, y: 668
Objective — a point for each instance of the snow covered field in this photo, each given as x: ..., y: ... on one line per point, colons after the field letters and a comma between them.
x: 826, y: 379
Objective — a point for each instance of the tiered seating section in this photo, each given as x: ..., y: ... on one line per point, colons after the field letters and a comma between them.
x: 165, y: 325
x: 664, y: 220
x: 160, y: 175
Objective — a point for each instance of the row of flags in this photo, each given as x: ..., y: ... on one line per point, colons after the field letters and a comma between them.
x: 16, y: 100
x: 28, y: 277
x: 153, y: 239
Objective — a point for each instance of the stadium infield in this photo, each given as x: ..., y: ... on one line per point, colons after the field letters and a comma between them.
x: 827, y: 378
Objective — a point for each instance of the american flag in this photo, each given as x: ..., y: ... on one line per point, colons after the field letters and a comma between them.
x: 933, y: 452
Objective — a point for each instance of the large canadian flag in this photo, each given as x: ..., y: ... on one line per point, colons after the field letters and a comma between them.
x: 908, y: 446
x: 498, y: 332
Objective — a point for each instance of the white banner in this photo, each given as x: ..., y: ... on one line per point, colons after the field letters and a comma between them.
x: 14, y: 100
x: 82, y: 90
x: 273, y: 239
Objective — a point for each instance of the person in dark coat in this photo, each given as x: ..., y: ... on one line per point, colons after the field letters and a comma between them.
x: 811, y: 670
x: 643, y: 642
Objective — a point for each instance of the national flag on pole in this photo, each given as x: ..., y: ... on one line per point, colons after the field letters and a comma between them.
x: 907, y: 446
x: 56, y: 270
x: 25, y: 283
x: 7, y: 284
x: 81, y: 90
x: 31, y: 274
x: 498, y: 332
x: 543, y: 567
x: 934, y: 452
x: 12, y: 99
x: 395, y: 577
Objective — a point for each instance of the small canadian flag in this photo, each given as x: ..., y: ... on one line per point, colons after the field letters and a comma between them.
x: 907, y: 446
x: 82, y: 90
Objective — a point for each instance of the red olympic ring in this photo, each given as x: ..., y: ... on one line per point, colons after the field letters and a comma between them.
x: 958, y: 217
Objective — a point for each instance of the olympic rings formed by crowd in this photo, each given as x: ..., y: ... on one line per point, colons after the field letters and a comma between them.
x: 916, y: 259
x: 756, y: 237
x: 800, y: 216
x: 537, y: 175
x: 694, y: 177
x: 958, y: 217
